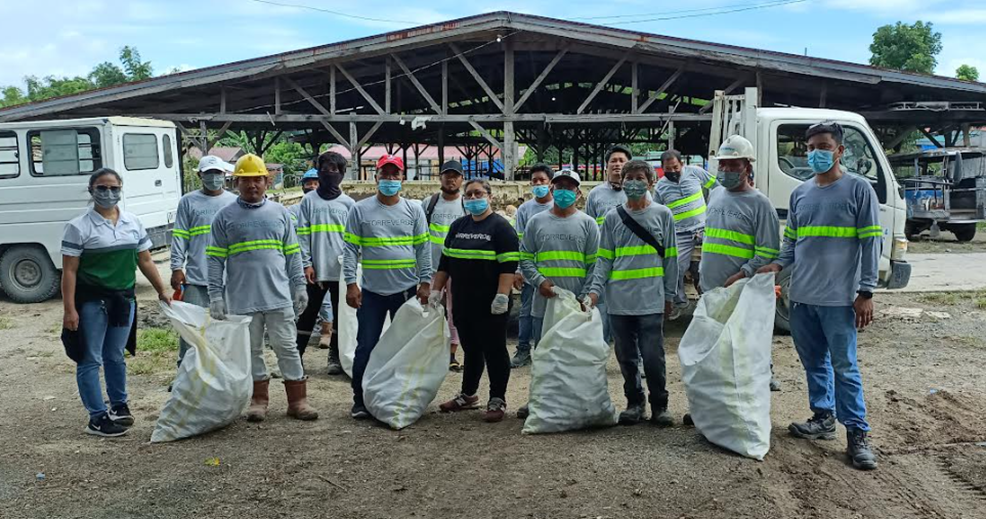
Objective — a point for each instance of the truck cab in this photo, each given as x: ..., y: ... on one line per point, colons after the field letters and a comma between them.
x: 782, y: 165
x: 44, y: 175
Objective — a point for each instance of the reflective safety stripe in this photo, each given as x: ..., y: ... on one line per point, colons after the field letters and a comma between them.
x: 727, y: 250
x: 436, y: 239
x: 826, y: 231
x: 790, y: 233
x: 710, y: 182
x: 216, y: 251
x: 507, y: 257
x: 326, y: 228
x: 601, y: 219
x: 194, y: 231
x: 723, y: 234
x: 527, y: 256
x: 292, y: 249
x: 639, y: 250
x: 557, y: 272
x: 605, y: 253
x: 250, y: 245
x: 520, y: 236
x: 620, y: 275
x: 689, y: 214
x: 394, y: 264
x: 439, y: 228
x: 179, y: 233
x: 384, y: 242
x: 766, y: 252
x: 561, y: 255
x: 303, y: 231
x: 869, y: 232
x: 671, y: 252
x: 470, y: 254
x: 687, y: 200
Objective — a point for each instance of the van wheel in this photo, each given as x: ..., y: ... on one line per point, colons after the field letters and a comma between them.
x: 963, y: 232
x: 27, y: 274
x: 782, y: 316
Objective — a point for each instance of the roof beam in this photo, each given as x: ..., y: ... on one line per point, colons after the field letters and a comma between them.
x: 369, y: 134
x: 417, y: 84
x: 342, y: 140
x: 732, y: 86
x: 602, y: 83
x: 359, y: 88
x: 489, y: 136
x: 479, y: 79
x: 664, y: 87
x: 540, y: 79
x: 318, y: 106
x: 451, y: 118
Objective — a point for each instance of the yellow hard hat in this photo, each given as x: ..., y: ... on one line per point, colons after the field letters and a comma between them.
x: 250, y: 165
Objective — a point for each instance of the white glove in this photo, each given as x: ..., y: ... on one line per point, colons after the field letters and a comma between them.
x: 435, y: 298
x: 217, y: 309
x: 500, y: 304
x: 587, y: 302
x: 300, y: 300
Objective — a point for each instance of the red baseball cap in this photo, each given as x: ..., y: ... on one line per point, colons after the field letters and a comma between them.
x: 390, y: 159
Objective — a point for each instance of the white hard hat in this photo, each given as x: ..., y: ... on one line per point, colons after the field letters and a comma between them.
x: 736, y: 147
x: 213, y: 162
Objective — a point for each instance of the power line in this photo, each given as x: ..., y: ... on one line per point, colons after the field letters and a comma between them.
x: 714, y: 10
x: 714, y: 13
x: 321, y: 10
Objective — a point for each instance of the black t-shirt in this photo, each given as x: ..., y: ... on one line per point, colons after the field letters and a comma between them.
x: 475, y: 255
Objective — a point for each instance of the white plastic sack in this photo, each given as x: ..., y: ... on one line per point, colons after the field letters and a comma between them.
x: 347, y: 327
x: 214, y: 383
x: 569, y: 388
x: 408, y: 365
x: 725, y: 365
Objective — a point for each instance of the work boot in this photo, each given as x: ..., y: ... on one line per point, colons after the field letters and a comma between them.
x: 859, y: 449
x: 524, y: 412
x: 334, y: 366
x: 821, y: 426
x: 662, y: 418
x: 257, y: 412
x: 520, y: 359
x: 634, y: 414
x: 325, y: 339
x: 298, y: 407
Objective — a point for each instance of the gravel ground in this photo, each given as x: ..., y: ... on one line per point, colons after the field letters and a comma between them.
x: 946, y: 242
x: 923, y: 375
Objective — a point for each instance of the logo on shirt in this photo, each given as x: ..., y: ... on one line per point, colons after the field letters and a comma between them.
x: 273, y: 225
x: 392, y: 221
x: 473, y: 236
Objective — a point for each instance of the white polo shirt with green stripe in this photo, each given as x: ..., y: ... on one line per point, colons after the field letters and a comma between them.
x: 742, y: 232
x: 685, y: 198
x: 635, y: 278
x: 321, y: 229
x: 832, y: 241
x: 107, y: 253
x: 560, y: 249
x: 191, y: 234
x: 256, y: 248
x: 442, y: 217
x: 393, y: 243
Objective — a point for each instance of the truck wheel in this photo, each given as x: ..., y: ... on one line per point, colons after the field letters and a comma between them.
x: 964, y: 232
x: 782, y: 316
x: 27, y: 274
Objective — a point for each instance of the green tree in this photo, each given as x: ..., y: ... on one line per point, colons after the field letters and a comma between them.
x: 967, y: 73
x: 107, y: 74
x: 912, y: 48
x: 136, y: 70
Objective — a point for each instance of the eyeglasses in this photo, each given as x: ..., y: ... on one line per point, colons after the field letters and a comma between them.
x: 111, y: 189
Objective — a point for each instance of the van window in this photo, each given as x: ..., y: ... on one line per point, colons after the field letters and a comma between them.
x: 858, y: 159
x: 10, y: 166
x: 74, y: 151
x: 140, y: 151
x: 169, y: 157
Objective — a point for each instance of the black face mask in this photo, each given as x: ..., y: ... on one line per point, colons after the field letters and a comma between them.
x: 307, y: 190
x: 328, y: 185
x: 674, y: 177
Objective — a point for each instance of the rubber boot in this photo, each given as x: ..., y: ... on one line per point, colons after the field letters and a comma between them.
x: 257, y: 412
x: 298, y: 407
x: 334, y: 366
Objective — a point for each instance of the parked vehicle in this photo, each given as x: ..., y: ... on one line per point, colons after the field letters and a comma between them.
x: 782, y: 165
x: 44, y: 174
x: 945, y: 190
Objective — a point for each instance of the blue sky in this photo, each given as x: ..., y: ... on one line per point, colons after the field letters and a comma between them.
x: 67, y: 37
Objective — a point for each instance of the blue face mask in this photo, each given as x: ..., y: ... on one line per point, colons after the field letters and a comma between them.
x: 564, y: 198
x: 821, y: 160
x: 477, y: 207
x: 540, y: 191
x: 389, y: 187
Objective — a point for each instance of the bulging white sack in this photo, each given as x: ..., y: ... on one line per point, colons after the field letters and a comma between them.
x: 725, y: 365
x: 347, y: 328
x: 569, y: 389
x: 214, y: 383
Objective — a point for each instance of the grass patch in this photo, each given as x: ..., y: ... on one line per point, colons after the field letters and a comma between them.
x: 981, y: 303
x: 55, y: 329
x: 940, y: 299
x: 6, y: 324
x: 157, y: 350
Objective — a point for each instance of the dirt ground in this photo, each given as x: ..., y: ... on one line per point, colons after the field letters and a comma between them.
x: 924, y: 384
x: 946, y: 242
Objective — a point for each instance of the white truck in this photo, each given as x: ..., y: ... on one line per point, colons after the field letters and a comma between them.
x: 777, y: 135
x: 44, y: 174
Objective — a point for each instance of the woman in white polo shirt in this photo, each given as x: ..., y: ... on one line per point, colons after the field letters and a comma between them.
x: 101, y: 251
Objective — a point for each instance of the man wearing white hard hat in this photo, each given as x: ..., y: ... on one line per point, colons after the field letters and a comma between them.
x: 191, y: 235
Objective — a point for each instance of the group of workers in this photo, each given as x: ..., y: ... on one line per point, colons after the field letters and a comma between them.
x: 625, y: 255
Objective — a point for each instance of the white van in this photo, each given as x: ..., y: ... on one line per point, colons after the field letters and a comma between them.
x: 777, y: 135
x: 44, y: 175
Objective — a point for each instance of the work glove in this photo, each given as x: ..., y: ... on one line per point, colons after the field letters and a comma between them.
x: 587, y: 302
x: 500, y: 304
x: 217, y: 309
x: 435, y: 298
x: 300, y: 300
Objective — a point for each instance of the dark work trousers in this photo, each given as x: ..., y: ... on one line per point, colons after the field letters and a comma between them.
x: 484, y: 340
x: 646, y: 334
x: 306, y: 323
x: 371, y: 315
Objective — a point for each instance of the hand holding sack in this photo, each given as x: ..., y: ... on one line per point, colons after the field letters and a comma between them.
x: 500, y: 304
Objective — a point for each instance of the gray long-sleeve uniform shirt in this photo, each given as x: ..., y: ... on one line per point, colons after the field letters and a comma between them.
x: 393, y: 241
x: 601, y: 199
x: 742, y: 232
x: 525, y: 212
x: 321, y: 228
x: 257, y: 249
x: 832, y: 239
x: 637, y: 280
x: 560, y: 249
x: 442, y: 217
x: 191, y: 234
x: 685, y: 197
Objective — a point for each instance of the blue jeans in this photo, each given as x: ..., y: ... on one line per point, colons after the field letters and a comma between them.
x: 371, y: 316
x: 193, y: 295
x: 537, y: 323
x: 642, y: 336
x: 525, y: 331
x: 607, y: 324
x: 104, y: 347
x: 825, y: 337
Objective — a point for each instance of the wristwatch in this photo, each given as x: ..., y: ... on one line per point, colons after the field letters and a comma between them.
x: 865, y: 294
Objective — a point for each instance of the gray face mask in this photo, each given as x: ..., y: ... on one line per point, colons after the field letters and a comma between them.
x: 105, y: 199
x: 730, y: 179
x: 213, y: 181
